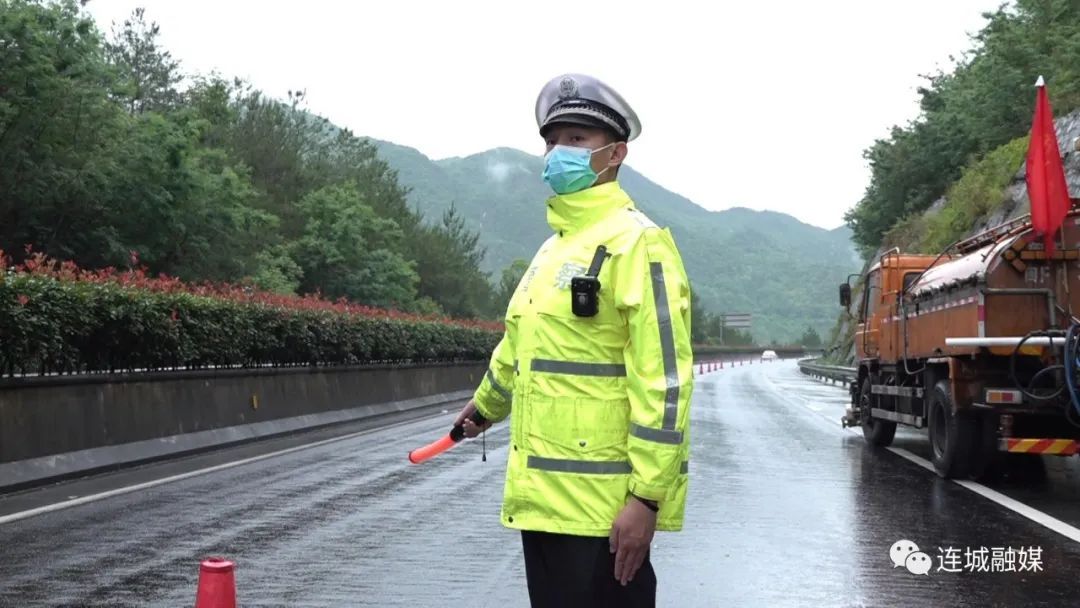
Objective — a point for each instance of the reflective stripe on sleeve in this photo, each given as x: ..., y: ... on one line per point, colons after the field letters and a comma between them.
x: 498, y: 387
x: 656, y: 435
x: 667, y: 345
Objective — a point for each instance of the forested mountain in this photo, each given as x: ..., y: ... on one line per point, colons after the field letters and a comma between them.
x: 107, y: 159
x: 739, y: 260
x: 112, y: 156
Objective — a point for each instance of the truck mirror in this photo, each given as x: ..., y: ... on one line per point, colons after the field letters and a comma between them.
x: 845, y: 295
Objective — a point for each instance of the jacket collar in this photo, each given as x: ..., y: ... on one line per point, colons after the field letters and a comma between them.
x: 569, y: 213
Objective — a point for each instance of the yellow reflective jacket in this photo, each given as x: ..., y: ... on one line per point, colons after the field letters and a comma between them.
x: 601, y: 405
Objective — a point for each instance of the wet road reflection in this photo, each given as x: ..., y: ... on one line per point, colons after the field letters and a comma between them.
x: 786, y: 509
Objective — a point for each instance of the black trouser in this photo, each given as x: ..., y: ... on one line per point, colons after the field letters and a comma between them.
x: 579, y: 572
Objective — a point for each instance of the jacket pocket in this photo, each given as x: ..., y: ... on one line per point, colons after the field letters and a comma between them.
x: 578, y: 427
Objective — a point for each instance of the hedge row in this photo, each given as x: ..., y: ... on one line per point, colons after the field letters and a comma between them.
x: 72, y: 324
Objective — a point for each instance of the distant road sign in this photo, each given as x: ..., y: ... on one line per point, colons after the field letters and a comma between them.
x: 742, y: 320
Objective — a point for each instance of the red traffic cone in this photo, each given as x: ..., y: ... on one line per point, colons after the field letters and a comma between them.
x: 217, y: 584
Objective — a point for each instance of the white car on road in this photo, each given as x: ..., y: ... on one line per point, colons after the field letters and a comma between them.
x: 769, y: 355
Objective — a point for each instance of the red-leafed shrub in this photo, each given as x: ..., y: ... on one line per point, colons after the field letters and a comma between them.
x: 57, y: 318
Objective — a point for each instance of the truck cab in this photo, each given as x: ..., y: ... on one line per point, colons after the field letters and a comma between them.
x: 878, y: 321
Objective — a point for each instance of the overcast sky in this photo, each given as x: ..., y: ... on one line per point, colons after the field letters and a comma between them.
x: 766, y: 105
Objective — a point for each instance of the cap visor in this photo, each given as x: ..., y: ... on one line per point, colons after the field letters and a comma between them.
x: 576, y: 120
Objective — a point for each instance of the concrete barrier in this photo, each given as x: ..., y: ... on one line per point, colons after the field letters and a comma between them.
x: 52, y: 428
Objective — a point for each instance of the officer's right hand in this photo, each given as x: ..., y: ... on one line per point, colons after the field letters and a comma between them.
x: 471, y: 429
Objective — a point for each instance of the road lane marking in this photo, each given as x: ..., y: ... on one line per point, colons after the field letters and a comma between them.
x: 1043, y: 519
x: 1011, y: 504
x: 5, y: 519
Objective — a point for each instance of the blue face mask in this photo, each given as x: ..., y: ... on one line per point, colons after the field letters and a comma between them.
x: 568, y: 169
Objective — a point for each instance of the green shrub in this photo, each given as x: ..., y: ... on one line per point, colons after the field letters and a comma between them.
x: 979, y: 191
x: 57, y: 319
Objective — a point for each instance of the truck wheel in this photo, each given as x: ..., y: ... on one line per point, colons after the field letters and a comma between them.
x: 952, y: 434
x: 877, y: 432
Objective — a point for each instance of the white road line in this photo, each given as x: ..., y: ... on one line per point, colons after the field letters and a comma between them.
x: 5, y: 519
x: 1011, y: 504
x: 919, y: 460
x: 1043, y: 519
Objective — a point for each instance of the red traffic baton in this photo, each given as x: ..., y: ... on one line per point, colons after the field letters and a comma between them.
x: 446, y: 442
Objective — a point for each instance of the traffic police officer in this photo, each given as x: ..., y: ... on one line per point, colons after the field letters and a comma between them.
x: 596, y: 367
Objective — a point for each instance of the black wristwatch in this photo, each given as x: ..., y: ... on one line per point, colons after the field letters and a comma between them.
x: 652, y: 504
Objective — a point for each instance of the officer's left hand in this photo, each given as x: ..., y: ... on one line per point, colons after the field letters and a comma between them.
x: 631, y: 536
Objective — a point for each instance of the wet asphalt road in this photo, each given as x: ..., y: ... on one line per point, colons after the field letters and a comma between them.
x: 785, y: 509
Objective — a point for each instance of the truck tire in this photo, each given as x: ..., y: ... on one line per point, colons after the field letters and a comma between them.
x: 878, y: 432
x: 952, y: 434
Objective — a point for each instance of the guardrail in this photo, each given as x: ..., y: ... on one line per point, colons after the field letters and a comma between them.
x: 830, y: 373
x: 54, y: 430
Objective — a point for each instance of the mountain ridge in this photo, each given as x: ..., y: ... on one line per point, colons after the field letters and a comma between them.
x: 516, y: 151
x: 739, y: 259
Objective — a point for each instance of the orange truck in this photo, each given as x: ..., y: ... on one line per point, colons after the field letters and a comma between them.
x: 978, y: 345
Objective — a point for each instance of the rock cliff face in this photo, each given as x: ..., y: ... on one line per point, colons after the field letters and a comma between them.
x: 1015, y: 204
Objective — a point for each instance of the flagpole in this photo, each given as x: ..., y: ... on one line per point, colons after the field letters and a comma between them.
x: 1063, y: 270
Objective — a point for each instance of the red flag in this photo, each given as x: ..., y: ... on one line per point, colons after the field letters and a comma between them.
x: 1047, y: 190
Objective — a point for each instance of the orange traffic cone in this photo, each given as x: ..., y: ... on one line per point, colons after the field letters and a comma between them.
x: 217, y: 584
